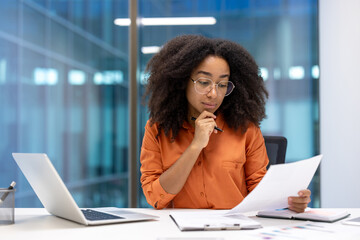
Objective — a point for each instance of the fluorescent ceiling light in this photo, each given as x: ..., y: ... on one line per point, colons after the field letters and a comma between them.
x: 122, y: 21
x: 45, y: 76
x: 170, y: 21
x: 315, y: 72
x: 150, y: 49
x: 264, y: 73
x: 77, y: 77
x: 296, y: 72
x: 109, y: 77
x: 2, y: 71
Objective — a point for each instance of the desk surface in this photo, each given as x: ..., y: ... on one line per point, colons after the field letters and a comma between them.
x: 37, y: 223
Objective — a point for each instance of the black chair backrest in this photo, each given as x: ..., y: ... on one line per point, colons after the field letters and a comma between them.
x: 276, y: 149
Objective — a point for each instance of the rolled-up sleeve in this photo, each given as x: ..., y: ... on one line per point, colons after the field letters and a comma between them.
x: 151, y: 170
x: 256, y: 157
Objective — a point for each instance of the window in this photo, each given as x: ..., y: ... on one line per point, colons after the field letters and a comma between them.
x: 63, y: 84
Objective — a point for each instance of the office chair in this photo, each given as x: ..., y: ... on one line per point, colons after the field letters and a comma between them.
x: 276, y: 149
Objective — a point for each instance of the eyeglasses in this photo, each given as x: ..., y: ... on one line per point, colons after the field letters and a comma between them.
x: 205, y: 85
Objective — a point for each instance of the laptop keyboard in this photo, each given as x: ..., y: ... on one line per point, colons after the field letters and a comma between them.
x: 92, y: 215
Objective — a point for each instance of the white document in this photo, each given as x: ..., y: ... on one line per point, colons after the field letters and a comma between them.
x: 211, y: 220
x: 280, y: 182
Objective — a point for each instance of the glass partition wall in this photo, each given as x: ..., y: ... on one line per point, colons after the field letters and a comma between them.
x: 64, y: 82
x: 64, y: 92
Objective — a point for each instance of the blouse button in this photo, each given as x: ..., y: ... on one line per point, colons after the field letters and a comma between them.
x: 202, y: 194
x: 162, y: 195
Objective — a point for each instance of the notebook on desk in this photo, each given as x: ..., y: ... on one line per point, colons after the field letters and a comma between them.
x: 56, y: 198
x: 310, y: 214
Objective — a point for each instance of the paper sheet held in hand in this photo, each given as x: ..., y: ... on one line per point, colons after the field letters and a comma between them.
x: 280, y: 182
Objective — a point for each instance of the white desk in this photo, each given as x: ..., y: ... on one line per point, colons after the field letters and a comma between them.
x: 37, y: 224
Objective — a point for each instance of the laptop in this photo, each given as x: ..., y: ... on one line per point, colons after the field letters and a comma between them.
x: 57, y: 200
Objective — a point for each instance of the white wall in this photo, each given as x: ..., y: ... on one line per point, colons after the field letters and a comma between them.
x: 339, y: 28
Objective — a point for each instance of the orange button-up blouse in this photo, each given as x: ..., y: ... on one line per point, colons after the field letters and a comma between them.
x: 227, y: 169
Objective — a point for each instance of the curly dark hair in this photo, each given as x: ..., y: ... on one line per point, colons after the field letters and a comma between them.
x: 169, y: 72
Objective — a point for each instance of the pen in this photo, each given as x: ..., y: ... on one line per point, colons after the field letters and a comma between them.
x: 194, y: 118
x: 12, y: 185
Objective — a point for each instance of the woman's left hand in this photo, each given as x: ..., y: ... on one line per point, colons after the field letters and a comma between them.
x: 299, y: 203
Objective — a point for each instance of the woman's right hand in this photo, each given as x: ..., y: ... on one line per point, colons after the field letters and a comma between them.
x: 174, y: 178
x: 204, y: 127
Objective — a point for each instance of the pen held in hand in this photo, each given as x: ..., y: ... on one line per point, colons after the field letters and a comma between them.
x: 194, y: 118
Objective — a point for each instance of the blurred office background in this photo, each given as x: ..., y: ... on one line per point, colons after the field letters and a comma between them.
x: 64, y: 83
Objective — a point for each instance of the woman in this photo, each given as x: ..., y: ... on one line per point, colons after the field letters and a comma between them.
x: 202, y: 146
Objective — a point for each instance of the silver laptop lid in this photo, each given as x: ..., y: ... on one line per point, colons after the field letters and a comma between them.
x: 48, y: 186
